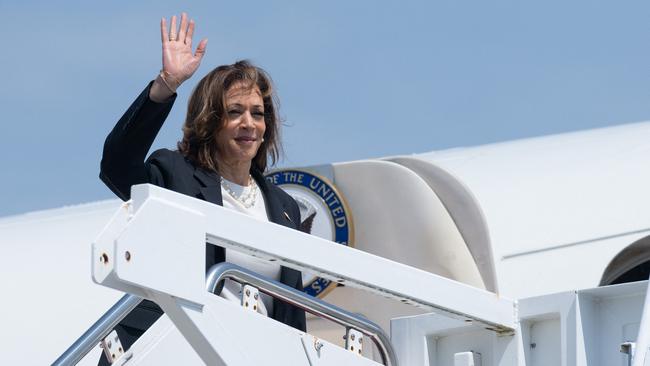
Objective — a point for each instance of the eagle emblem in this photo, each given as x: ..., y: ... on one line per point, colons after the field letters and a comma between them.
x: 323, y: 212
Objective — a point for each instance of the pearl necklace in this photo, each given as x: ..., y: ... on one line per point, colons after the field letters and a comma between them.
x: 246, y: 199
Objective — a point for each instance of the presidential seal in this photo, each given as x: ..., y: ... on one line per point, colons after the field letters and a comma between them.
x: 323, y: 212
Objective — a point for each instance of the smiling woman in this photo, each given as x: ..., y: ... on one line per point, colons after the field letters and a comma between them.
x: 241, y: 97
x: 230, y: 134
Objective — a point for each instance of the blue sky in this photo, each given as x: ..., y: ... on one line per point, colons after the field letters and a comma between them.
x: 356, y: 79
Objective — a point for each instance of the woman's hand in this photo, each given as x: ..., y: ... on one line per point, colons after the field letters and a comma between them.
x: 178, y: 61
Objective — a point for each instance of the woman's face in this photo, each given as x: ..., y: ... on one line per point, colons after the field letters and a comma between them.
x: 243, y: 130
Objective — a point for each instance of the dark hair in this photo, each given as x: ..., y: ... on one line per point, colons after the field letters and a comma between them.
x: 206, y: 112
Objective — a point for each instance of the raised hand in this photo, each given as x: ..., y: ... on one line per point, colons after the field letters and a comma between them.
x: 178, y: 61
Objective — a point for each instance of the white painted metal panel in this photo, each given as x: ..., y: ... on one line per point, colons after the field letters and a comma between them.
x: 397, y: 216
x: 464, y: 210
x: 358, y: 269
x: 545, y: 343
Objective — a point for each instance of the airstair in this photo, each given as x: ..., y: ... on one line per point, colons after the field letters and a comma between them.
x: 151, y: 247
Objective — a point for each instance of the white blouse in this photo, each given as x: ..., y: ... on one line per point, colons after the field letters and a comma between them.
x: 231, y: 289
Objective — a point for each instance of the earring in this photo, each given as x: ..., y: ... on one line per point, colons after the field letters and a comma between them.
x: 263, y: 139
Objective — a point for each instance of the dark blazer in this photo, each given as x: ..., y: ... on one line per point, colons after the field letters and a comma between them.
x: 123, y: 165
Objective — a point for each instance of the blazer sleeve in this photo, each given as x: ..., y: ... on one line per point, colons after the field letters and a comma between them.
x: 125, y: 149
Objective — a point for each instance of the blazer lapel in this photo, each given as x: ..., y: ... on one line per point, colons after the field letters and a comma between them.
x: 210, y: 186
x: 274, y: 208
x: 211, y: 191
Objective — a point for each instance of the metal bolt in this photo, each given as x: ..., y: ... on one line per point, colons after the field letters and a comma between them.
x: 318, y: 345
x: 255, y: 296
x: 110, y: 344
x: 127, y: 255
x: 248, y: 292
x: 533, y: 345
x: 352, y: 336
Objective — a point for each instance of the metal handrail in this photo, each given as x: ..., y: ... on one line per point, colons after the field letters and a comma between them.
x: 308, y: 303
x: 98, y: 331
x: 217, y: 273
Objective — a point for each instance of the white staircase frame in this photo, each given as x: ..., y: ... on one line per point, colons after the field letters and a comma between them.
x: 152, y: 246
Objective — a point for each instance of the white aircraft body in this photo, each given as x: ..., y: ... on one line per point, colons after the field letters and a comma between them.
x: 446, y: 244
